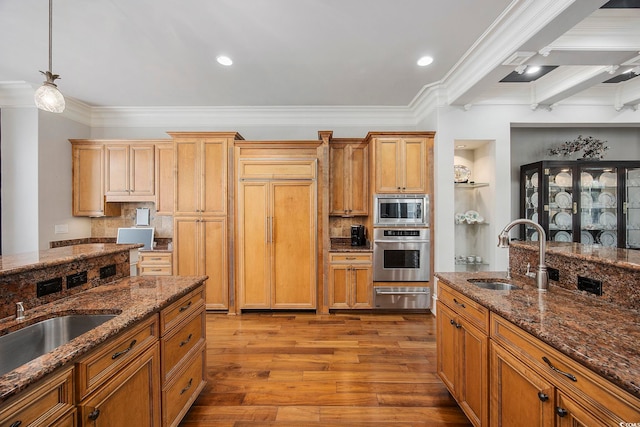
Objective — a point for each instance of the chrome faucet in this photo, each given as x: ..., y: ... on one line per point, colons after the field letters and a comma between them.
x: 542, y: 276
x: 19, y: 311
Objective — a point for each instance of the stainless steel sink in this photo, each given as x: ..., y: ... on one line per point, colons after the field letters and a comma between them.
x: 31, y: 342
x: 493, y: 285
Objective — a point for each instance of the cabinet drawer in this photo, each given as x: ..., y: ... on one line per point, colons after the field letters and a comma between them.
x: 156, y: 258
x: 468, y: 309
x: 181, y: 309
x: 351, y: 258
x: 104, y: 362
x: 275, y: 168
x: 180, y: 393
x: 177, y: 344
x: 155, y: 270
x: 595, y: 392
x: 50, y: 399
x: 68, y: 420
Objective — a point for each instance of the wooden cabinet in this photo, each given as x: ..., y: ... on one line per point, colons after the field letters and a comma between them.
x: 349, y: 179
x: 552, y: 389
x: 155, y: 263
x: 88, y: 181
x: 462, y: 356
x: 129, y: 172
x: 403, y: 163
x: 48, y: 402
x: 201, y: 175
x: 119, y: 382
x: 183, y: 350
x: 200, y: 248
x: 164, y: 179
x: 277, y: 235
x: 350, y: 280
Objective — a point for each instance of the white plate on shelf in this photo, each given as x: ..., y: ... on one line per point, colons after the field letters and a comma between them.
x: 585, y: 219
x: 586, y: 238
x: 608, y: 179
x: 586, y: 179
x: 562, y: 236
x: 563, y: 199
x: 586, y: 201
x: 607, y: 199
x: 608, y: 238
x: 534, y: 179
x: 534, y: 199
x: 608, y: 219
x: 534, y: 236
x: 562, y: 220
x: 563, y: 179
x: 534, y: 217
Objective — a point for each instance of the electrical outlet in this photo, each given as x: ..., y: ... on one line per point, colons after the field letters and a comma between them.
x: 76, y: 279
x: 48, y: 287
x: 107, y: 271
x: 61, y: 228
x: 590, y: 285
x: 554, y: 273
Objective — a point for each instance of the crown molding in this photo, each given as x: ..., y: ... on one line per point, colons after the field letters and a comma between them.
x: 16, y: 94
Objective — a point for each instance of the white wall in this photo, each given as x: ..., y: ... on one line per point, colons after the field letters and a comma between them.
x: 54, y: 181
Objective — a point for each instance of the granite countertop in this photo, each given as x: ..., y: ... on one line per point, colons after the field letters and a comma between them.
x: 597, y: 334
x: 132, y: 299
x: 19, y: 263
x: 343, y: 244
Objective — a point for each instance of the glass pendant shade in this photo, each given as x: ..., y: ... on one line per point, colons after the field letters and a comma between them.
x: 49, y: 98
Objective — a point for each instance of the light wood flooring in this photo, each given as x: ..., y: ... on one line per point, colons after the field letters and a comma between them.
x: 298, y: 369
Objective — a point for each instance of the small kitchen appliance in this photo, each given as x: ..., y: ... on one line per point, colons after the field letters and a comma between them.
x: 401, y: 210
x: 358, y: 237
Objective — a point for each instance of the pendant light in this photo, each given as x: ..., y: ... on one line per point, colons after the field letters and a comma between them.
x: 48, y: 97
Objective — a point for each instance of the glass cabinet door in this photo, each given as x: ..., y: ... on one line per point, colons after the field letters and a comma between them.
x: 560, y: 208
x: 599, y: 205
x: 531, y: 179
x: 632, y: 208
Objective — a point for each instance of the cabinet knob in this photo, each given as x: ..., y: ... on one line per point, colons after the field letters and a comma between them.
x: 543, y: 396
x: 561, y: 412
x: 93, y: 415
x: 16, y: 424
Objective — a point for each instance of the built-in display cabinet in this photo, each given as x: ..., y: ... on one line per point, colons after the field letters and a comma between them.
x: 590, y: 202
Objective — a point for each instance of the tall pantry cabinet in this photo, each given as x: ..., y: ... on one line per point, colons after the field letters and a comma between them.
x: 200, y: 241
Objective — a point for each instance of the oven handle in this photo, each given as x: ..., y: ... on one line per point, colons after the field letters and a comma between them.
x: 400, y: 241
x: 379, y: 292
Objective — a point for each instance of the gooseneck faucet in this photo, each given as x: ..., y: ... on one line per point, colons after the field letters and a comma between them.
x: 542, y: 276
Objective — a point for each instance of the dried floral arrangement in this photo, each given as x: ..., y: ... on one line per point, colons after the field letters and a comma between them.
x: 591, y: 148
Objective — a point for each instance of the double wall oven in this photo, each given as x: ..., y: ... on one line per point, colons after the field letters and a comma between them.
x: 401, y: 251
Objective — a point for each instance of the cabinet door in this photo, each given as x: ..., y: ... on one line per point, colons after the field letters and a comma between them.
x: 413, y: 167
x: 361, y: 286
x: 473, y: 388
x: 338, y: 159
x: 359, y: 179
x: 142, y: 170
x: 116, y: 170
x: 88, y: 180
x: 131, y: 398
x: 519, y: 396
x: 214, y: 176
x: 293, y: 244
x: 339, y: 285
x: 571, y: 414
x: 187, y: 187
x: 164, y: 179
x: 387, y: 157
x: 446, y: 335
x: 254, y: 264
x: 186, y: 244
x: 214, y: 243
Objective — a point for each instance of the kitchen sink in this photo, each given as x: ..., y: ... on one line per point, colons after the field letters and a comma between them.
x: 493, y: 285
x: 31, y: 342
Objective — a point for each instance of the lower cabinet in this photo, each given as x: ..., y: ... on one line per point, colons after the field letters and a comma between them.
x: 155, y: 264
x: 350, y: 280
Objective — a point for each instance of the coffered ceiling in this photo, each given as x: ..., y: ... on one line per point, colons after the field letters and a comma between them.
x: 325, y: 53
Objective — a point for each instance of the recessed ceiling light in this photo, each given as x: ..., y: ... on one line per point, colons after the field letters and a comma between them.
x: 532, y: 69
x: 461, y: 146
x: 424, y: 61
x: 224, y: 60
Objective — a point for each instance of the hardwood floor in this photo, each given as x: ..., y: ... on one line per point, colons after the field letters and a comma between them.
x: 292, y: 369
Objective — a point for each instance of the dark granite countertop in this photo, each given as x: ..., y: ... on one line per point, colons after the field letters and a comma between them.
x: 132, y: 298
x: 597, y: 334
x: 343, y: 244
x: 19, y: 263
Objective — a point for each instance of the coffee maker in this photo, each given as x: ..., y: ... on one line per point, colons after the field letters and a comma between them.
x: 358, y: 235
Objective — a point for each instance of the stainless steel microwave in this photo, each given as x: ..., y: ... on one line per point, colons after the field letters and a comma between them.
x: 401, y: 210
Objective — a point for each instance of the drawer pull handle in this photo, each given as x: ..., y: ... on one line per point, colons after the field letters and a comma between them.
x: 125, y: 351
x: 16, y: 424
x: 185, y: 342
x: 561, y: 412
x: 156, y: 269
x: 156, y: 259
x: 187, y: 387
x: 93, y: 415
x: 350, y: 257
x: 553, y: 368
x: 543, y: 396
x: 184, y: 307
x: 459, y: 303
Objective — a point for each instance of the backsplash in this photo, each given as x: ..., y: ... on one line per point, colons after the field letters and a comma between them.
x: 341, y: 227
x: 108, y: 226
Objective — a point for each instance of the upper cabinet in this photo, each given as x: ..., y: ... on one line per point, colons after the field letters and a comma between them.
x: 129, y: 172
x: 164, y: 179
x: 88, y: 181
x: 403, y: 162
x: 590, y: 202
x: 349, y: 178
